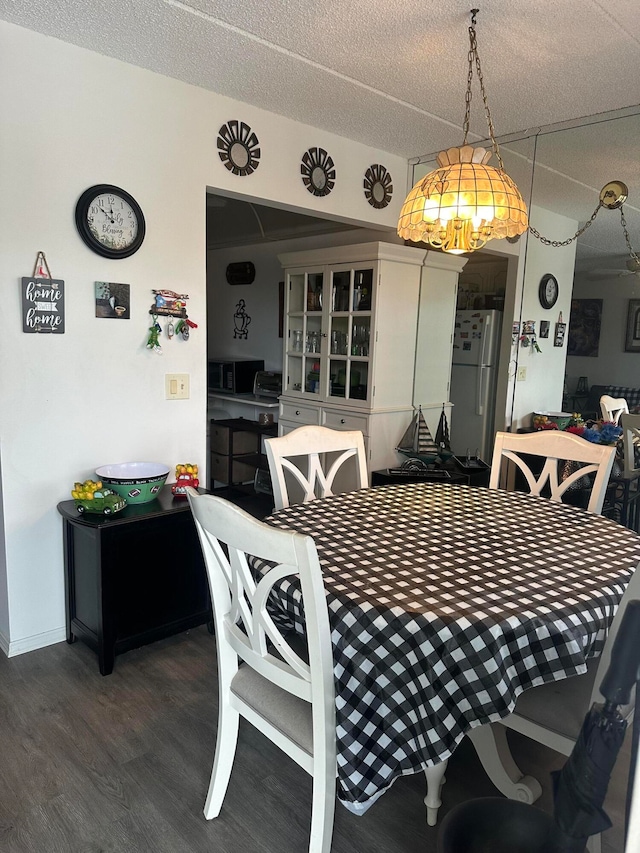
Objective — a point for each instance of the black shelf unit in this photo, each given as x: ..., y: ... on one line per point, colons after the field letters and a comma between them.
x: 134, y: 577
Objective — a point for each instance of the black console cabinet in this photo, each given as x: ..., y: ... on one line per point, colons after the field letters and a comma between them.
x: 133, y: 577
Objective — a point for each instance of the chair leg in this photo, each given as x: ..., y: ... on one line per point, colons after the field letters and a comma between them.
x: 323, y: 803
x: 491, y: 744
x: 227, y: 739
x: 435, y: 781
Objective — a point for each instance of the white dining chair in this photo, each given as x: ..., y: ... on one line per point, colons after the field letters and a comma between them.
x: 554, y: 446
x: 309, y: 446
x: 629, y: 485
x: 551, y: 714
x: 612, y: 408
x: 631, y: 442
x: 260, y: 676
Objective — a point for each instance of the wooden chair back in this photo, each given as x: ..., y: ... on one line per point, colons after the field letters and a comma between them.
x: 554, y: 447
x: 309, y: 446
x: 612, y: 408
x: 244, y: 626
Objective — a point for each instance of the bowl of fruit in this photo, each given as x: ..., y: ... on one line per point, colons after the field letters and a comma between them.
x: 137, y: 482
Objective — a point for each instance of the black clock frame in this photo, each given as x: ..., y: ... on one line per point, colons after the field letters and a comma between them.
x: 82, y: 208
x: 542, y: 291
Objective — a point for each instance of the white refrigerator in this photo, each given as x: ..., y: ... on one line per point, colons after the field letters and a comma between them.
x: 474, y: 369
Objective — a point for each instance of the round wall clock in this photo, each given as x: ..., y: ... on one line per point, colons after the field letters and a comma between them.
x: 378, y: 187
x: 318, y: 171
x: 548, y: 291
x: 238, y: 148
x: 110, y: 221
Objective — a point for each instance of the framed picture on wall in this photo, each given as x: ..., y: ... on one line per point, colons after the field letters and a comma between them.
x: 632, y: 341
x: 584, y: 327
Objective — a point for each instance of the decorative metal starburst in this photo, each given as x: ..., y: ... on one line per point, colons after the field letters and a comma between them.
x: 378, y: 186
x: 238, y: 148
x: 318, y: 171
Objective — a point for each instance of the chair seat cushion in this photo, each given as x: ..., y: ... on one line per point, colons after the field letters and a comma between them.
x: 559, y: 706
x: 287, y: 713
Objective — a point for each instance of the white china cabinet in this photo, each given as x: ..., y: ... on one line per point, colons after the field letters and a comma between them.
x: 350, y: 338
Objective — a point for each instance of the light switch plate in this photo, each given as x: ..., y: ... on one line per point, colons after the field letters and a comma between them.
x: 176, y: 386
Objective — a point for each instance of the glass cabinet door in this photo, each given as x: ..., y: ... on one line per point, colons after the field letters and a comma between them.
x: 349, y: 333
x: 328, y: 343
x: 304, y: 333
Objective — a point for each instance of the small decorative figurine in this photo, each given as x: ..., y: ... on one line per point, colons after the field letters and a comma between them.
x: 92, y: 496
x: 153, y: 342
x: 186, y: 475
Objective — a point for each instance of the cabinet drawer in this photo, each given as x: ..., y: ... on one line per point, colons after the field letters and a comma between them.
x: 243, y: 442
x: 240, y: 471
x: 299, y: 414
x: 344, y: 420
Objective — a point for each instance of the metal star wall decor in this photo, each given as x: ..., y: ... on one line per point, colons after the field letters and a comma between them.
x: 378, y: 186
x: 238, y: 148
x: 318, y: 171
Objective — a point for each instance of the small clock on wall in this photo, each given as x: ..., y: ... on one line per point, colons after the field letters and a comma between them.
x: 110, y: 221
x: 548, y: 291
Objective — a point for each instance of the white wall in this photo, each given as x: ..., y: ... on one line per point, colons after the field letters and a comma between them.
x: 69, y: 119
x: 613, y: 366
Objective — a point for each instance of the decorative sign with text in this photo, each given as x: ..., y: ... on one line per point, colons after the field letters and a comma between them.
x: 43, y: 305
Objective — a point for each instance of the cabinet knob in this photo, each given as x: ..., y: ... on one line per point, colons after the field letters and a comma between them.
x: 342, y: 421
x: 323, y: 334
x: 297, y: 411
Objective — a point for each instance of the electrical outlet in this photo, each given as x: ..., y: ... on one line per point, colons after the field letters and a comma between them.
x: 522, y: 374
x: 176, y: 386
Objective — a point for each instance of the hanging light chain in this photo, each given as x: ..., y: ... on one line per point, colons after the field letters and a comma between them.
x: 626, y: 237
x: 473, y: 58
x: 569, y: 240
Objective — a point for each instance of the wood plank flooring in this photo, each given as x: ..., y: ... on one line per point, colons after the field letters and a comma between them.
x: 91, y: 764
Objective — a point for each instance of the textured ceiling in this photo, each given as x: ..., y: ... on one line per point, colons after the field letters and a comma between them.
x: 388, y: 75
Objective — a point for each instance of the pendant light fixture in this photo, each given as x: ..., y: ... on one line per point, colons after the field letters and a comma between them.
x: 465, y: 202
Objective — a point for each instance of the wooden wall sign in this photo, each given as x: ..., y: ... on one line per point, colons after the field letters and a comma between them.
x: 43, y: 305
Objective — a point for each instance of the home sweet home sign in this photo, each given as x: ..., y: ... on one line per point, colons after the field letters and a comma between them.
x: 43, y: 305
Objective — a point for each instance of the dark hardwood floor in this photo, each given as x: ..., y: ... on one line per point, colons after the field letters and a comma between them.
x: 91, y: 764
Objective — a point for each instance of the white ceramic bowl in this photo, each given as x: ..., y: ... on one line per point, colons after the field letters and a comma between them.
x: 137, y: 482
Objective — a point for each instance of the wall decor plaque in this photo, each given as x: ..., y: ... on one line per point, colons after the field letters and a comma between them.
x: 42, y: 305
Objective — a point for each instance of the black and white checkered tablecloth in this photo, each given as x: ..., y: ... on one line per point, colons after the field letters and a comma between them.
x: 446, y: 602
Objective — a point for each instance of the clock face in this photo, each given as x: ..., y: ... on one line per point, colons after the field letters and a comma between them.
x: 110, y: 221
x: 548, y: 291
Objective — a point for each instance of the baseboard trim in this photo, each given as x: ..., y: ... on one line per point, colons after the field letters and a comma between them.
x: 4, y: 644
x: 36, y: 641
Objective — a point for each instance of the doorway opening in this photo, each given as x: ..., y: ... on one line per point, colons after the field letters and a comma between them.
x: 476, y: 352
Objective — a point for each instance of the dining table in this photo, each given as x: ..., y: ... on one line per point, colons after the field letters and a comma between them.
x: 445, y: 603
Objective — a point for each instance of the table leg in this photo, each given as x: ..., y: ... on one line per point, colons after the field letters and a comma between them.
x: 435, y: 781
x: 106, y: 658
x: 491, y: 744
x: 69, y: 597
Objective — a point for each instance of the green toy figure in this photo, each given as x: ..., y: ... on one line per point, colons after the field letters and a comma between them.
x: 153, y: 342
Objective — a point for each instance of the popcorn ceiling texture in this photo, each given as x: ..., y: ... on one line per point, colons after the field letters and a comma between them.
x: 387, y: 75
